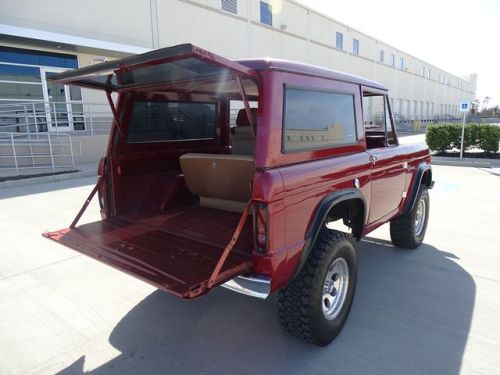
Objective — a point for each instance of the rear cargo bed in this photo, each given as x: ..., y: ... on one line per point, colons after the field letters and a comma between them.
x: 176, y: 251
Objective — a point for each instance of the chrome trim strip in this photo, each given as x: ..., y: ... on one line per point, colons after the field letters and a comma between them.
x: 251, y: 285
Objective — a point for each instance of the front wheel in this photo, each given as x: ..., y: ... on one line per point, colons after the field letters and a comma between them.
x: 315, y: 305
x: 408, y: 230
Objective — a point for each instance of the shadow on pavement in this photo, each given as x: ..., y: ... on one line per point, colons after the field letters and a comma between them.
x: 411, y: 314
x: 19, y: 191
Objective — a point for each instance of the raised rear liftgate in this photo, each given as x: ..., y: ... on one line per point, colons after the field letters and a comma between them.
x: 180, y: 251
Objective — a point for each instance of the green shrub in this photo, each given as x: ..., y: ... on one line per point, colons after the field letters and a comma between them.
x: 471, y: 136
x: 444, y: 137
x: 437, y: 138
x: 489, y: 136
x: 454, y: 133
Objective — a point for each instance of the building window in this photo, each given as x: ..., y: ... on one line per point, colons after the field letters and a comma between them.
x: 32, y: 57
x: 423, y: 71
x: 393, y: 60
x: 20, y: 75
x: 230, y: 6
x: 382, y: 53
x: 339, y: 41
x: 266, y: 16
x: 323, y: 119
x: 355, y: 47
x: 23, y: 74
x: 401, y: 63
x: 428, y: 73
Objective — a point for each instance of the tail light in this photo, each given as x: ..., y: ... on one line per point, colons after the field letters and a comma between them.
x: 261, y: 226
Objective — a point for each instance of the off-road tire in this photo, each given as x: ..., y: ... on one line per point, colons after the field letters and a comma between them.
x: 403, y: 228
x: 300, y: 303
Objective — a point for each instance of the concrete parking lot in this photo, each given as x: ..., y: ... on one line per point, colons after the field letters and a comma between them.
x: 435, y: 310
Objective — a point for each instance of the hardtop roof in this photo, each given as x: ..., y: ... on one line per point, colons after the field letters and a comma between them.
x: 261, y: 64
x: 188, y: 62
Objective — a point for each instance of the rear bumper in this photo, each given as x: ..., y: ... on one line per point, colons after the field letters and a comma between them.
x: 252, y: 285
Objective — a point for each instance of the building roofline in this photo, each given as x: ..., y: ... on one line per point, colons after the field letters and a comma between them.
x: 67, y: 39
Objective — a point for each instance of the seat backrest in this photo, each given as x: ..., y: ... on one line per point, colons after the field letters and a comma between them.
x: 221, y: 181
x: 243, y: 138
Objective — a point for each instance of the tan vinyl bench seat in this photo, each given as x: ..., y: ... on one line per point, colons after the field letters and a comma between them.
x: 221, y: 181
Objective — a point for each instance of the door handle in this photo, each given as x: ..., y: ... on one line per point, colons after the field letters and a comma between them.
x: 373, y: 159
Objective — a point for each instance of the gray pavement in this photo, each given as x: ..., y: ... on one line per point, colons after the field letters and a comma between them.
x: 40, y: 176
x: 434, y: 310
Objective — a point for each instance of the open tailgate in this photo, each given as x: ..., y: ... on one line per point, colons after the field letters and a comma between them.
x: 185, y: 252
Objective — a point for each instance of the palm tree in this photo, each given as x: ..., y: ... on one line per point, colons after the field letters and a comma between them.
x: 475, y: 106
x: 486, y: 101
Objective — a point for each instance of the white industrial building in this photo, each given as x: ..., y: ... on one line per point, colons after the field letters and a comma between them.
x: 37, y: 40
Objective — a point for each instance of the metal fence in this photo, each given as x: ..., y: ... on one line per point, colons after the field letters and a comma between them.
x: 42, y: 117
x: 404, y: 124
x: 22, y: 152
x: 37, y: 136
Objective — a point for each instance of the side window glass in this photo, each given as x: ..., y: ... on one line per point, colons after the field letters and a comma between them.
x: 318, y: 119
x: 391, y: 138
x: 377, y: 121
x: 374, y: 113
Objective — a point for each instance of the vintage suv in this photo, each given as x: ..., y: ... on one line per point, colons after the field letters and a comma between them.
x: 234, y: 173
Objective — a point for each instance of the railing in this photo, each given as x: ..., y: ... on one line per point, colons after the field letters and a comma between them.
x: 43, y: 117
x: 26, y: 151
x: 404, y: 124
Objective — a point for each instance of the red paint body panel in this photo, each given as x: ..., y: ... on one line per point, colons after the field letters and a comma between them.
x: 155, y: 230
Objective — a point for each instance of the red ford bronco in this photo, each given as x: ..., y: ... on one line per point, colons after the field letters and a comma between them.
x: 256, y: 175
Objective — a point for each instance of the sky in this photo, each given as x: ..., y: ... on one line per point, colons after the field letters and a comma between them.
x: 460, y: 37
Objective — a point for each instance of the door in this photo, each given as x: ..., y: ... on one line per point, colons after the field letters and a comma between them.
x: 388, y: 171
x: 58, y: 109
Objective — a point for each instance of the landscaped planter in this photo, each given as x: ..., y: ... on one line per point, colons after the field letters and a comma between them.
x: 480, y: 140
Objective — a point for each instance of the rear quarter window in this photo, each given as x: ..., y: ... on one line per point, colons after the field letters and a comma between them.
x: 154, y: 121
x: 317, y: 120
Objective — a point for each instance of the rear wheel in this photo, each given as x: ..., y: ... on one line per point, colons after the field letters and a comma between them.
x: 315, y: 305
x: 408, y: 230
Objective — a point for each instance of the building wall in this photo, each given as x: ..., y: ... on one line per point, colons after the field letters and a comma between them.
x: 296, y: 33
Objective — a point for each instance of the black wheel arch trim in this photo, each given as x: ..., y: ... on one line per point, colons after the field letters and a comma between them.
x: 324, y: 207
x: 415, y: 189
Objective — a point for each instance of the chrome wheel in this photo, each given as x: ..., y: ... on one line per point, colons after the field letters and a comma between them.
x: 420, y: 217
x: 335, y: 288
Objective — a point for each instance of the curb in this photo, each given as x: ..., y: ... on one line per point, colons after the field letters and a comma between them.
x: 466, y: 162
x: 40, y: 180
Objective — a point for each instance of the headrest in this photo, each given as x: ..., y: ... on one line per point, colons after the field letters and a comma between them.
x: 242, y: 118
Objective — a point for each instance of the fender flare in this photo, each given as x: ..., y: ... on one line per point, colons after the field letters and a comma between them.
x: 323, y: 208
x: 415, y: 190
